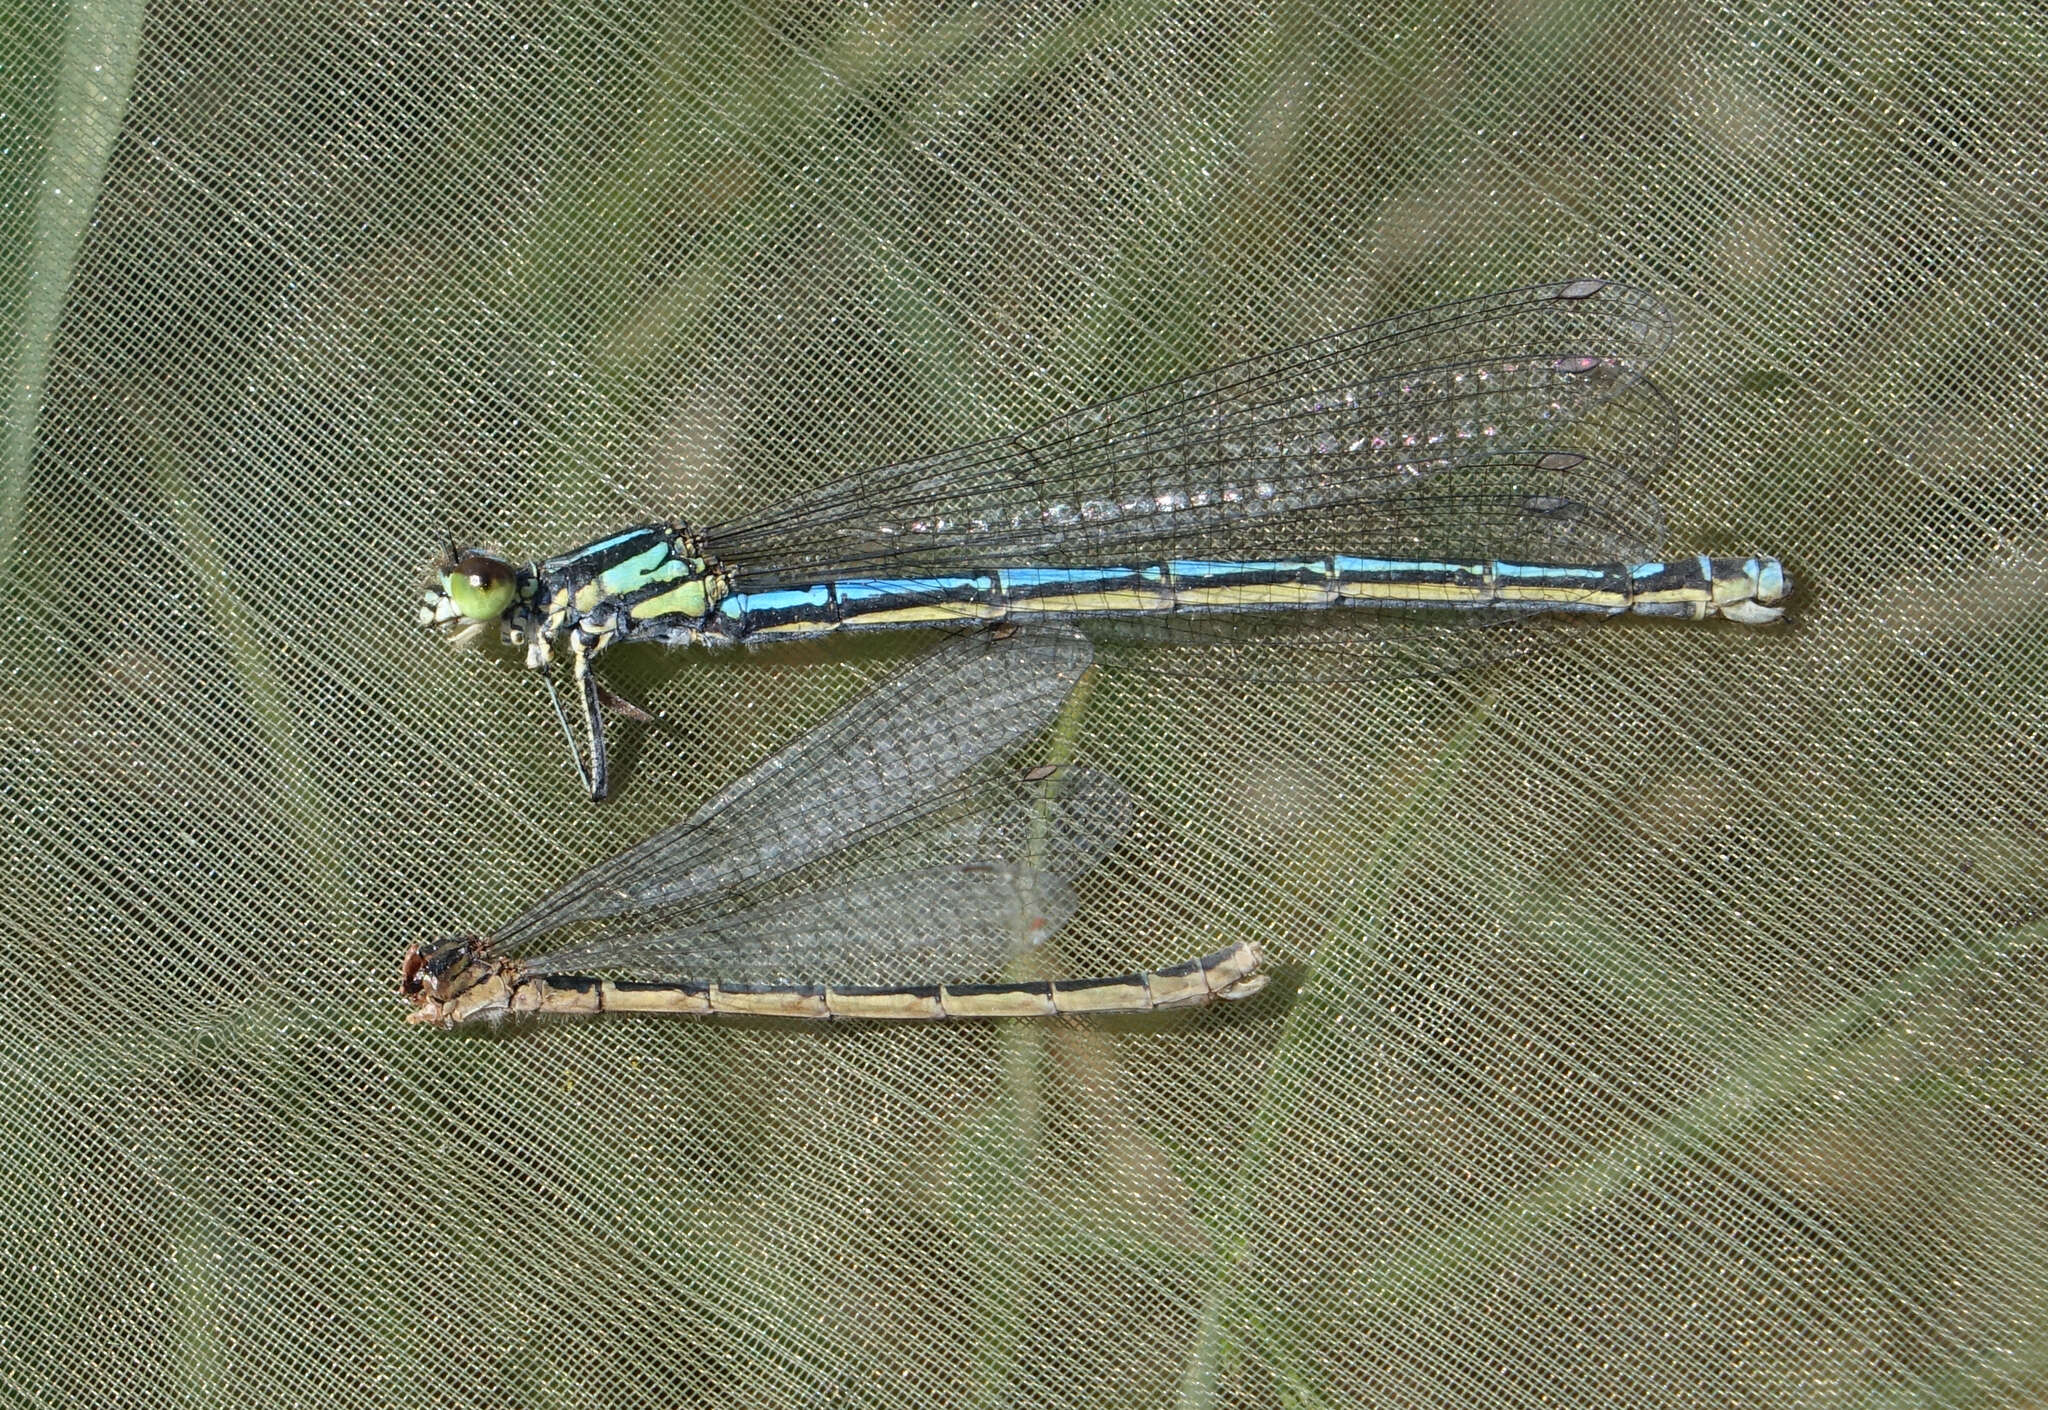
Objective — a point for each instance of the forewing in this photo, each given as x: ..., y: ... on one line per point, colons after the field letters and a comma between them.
x: 896, y: 753
x: 1214, y: 461
x: 1583, y: 499
x: 947, y: 897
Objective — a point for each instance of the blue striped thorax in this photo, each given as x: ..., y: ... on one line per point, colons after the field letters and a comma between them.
x: 651, y: 582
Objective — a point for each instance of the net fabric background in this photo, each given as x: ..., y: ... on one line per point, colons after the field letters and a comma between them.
x: 1659, y: 1020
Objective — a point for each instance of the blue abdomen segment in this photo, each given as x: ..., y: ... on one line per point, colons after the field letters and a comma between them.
x: 776, y: 611
x: 1748, y: 590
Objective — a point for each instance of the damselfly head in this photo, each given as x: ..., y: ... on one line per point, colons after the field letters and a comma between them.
x: 409, y: 981
x: 480, y: 586
x: 434, y: 970
x: 476, y: 587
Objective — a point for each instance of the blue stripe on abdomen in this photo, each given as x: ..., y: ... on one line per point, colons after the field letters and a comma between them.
x: 778, y: 609
x: 1194, y: 584
x: 1601, y: 588
x: 1222, y: 585
x: 859, y: 595
x: 1110, y: 588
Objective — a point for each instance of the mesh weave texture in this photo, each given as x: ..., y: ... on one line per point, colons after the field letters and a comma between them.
x: 1661, y: 1020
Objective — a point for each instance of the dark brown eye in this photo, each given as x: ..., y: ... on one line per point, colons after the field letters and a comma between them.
x: 479, y: 585
x: 409, y: 982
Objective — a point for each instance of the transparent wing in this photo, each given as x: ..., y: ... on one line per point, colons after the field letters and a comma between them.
x: 952, y: 897
x: 1465, y: 426
x: 945, y: 923
x: 900, y: 751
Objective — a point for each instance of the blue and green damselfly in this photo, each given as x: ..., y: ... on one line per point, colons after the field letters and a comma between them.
x: 863, y: 872
x: 1376, y: 500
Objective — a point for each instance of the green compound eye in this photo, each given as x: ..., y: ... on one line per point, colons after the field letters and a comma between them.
x: 480, y: 586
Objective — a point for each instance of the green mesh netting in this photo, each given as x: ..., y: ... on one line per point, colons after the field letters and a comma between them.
x: 1661, y: 1020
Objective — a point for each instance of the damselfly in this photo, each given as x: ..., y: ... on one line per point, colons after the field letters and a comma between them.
x: 1369, y: 498
x: 884, y: 847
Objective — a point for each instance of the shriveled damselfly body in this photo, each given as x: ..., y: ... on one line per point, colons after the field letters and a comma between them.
x: 1377, y: 500
x: 884, y: 866
x: 504, y: 991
